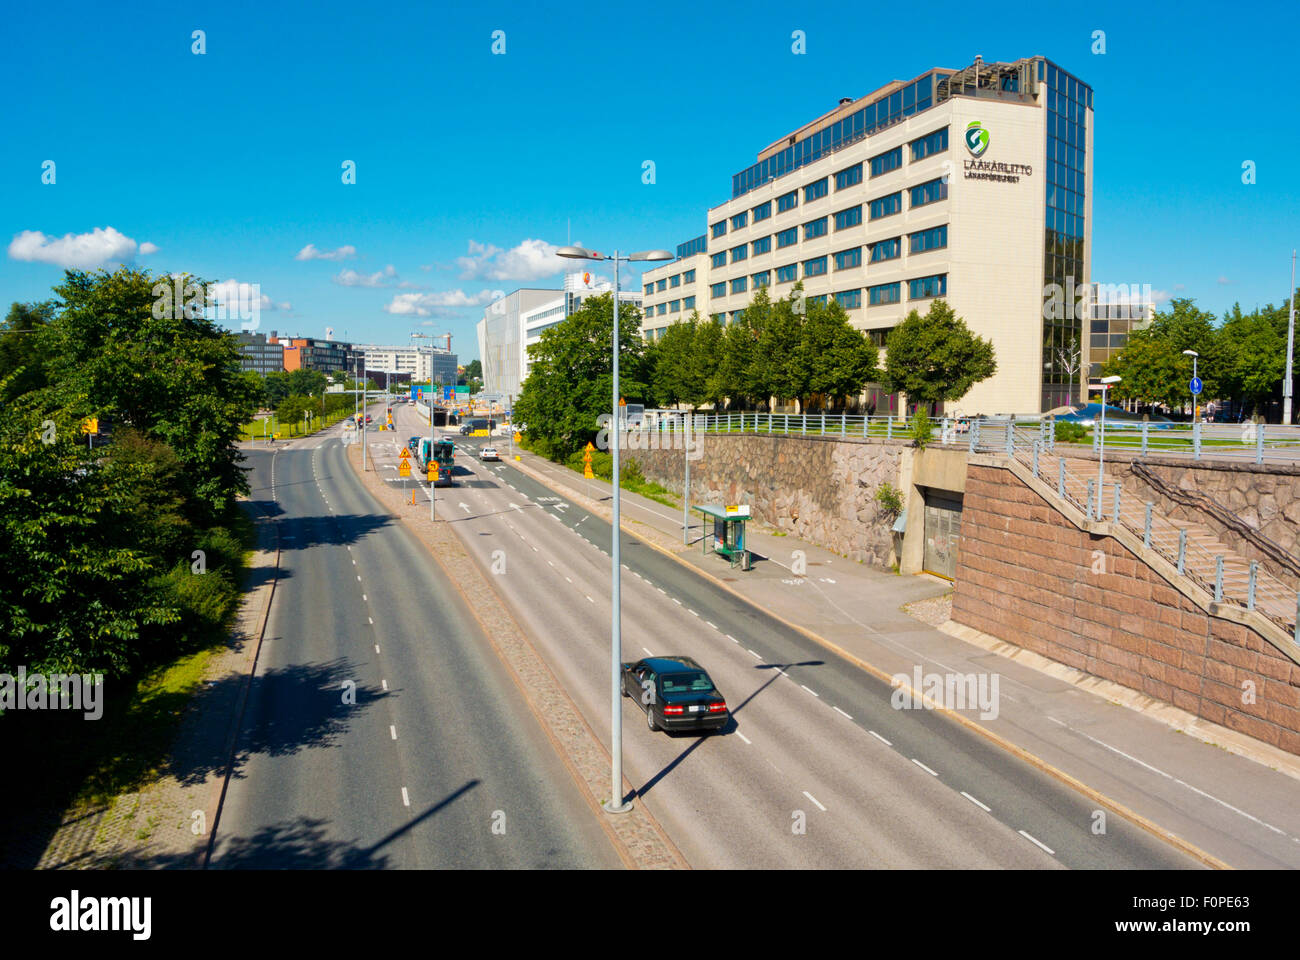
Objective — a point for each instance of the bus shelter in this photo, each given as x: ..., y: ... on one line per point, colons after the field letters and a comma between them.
x: 728, y: 535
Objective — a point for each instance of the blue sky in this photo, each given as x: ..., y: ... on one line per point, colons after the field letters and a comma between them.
x: 229, y: 163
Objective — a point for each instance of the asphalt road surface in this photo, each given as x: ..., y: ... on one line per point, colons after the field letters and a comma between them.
x: 817, y: 768
x: 436, y: 762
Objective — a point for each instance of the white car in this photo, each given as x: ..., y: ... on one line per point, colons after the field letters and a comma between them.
x: 489, y: 453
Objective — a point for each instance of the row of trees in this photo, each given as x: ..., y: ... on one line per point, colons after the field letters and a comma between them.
x: 1242, y: 357
x: 98, y: 543
x: 788, y: 349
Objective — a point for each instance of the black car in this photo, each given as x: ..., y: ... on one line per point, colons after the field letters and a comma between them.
x: 676, y: 694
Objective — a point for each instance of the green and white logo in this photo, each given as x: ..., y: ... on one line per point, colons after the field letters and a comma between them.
x: 977, y: 138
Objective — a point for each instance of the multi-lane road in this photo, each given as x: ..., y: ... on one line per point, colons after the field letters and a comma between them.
x: 817, y: 769
x: 381, y: 729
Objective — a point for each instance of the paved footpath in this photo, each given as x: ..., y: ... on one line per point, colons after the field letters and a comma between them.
x: 1233, y: 797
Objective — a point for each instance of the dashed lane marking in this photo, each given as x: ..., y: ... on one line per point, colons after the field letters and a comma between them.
x: 976, y: 802
x: 924, y: 767
x: 1037, y: 843
x: 814, y: 800
x: 880, y: 738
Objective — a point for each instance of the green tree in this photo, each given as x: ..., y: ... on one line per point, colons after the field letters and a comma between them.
x: 935, y: 357
x: 840, y: 359
x: 673, y: 377
x: 778, y: 367
x: 1251, y: 356
x: 473, y: 371
x: 116, y: 351
x: 706, y: 353
x: 731, y: 374
x: 1152, y: 366
x: 571, y: 382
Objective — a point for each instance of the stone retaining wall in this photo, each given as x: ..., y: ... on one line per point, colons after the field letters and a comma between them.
x: 820, y: 489
x: 1028, y: 576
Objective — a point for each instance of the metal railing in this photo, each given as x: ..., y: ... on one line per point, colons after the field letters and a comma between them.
x: 1246, y: 442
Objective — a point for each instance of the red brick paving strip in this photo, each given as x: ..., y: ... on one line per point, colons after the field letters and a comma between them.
x: 639, y: 839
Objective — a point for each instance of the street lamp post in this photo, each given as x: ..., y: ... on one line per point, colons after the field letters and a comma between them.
x: 1106, y: 383
x: 1196, y: 403
x: 1290, y: 349
x: 616, y: 803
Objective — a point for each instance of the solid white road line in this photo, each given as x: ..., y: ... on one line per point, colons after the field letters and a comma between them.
x: 880, y: 738
x: 710, y: 623
x: 924, y: 767
x: 976, y: 802
x: 392, y: 730
x: 1037, y: 843
x: 385, y: 682
x: 814, y: 800
x: 406, y: 799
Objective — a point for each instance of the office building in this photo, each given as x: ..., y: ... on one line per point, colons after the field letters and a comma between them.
x: 258, y: 354
x: 971, y: 185
x: 418, y: 363
x: 516, y: 321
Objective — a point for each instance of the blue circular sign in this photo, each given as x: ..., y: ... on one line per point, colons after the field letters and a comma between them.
x: 1196, y: 386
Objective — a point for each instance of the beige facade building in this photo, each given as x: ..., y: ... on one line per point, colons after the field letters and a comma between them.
x: 969, y: 185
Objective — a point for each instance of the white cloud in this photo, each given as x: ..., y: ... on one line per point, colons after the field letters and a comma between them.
x: 80, y: 251
x: 232, y: 293
x: 530, y: 260
x: 310, y: 252
x: 147, y: 248
x: 1224, y: 280
x: 350, y: 278
x: 424, y: 304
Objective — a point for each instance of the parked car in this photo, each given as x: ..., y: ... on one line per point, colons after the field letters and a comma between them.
x: 489, y: 453
x: 676, y: 693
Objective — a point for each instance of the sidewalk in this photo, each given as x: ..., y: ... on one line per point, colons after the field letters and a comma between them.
x: 1233, y: 797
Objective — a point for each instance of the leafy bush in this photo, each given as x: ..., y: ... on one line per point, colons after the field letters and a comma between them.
x: 889, y: 497
x: 921, y: 429
x: 1067, y: 432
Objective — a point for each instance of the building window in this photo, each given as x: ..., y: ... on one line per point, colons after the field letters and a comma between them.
x: 688, y: 276
x: 814, y: 228
x: 649, y: 289
x: 661, y: 309
x: 740, y: 220
x: 851, y: 217
x: 719, y: 228
x: 882, y: 294
x: 762, y: 245
x: 886, y: 206
x: 787, y: 201
x: 740, y: 252
x: 718, y: 289
x: 933, y: 239
x: 848, y: 259
x: 762, y: 211
x: 718, y: 317
x: 739, y: 284
x: 737, y: 316
x: 719, y: 259
x: 849, y: 299
x: 816, y: 190
x: 887, y: 161
x: 929, y: 192
x: 687, y: 304
x: 675, y: 280
x: 885, y: 249
x: 661, y: 286
x: 931, y: 143
x: 787, y: 237
x: 787, y: 274
x: 762, y: 279
x: 821, y: 298
x: 923, y: 287
x: 815, y: 267
x: 848, y: 177
x: 674, y: 306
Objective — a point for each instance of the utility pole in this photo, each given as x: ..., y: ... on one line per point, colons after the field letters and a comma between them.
x: 1290, y: 349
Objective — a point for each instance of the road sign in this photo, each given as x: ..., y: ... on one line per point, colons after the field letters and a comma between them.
x: 90, y: 425
x: 405, y: 469
x: 586, y: 463
x: 1196, y: 386
x: 405, y: 452
x: 433, y: 472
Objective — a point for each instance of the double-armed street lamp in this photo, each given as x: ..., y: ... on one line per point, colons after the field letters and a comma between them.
x: 616, y: 803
